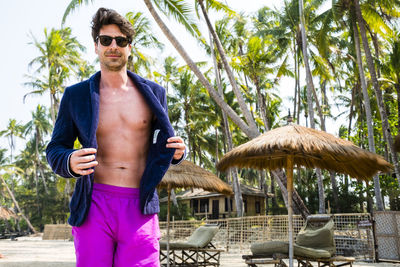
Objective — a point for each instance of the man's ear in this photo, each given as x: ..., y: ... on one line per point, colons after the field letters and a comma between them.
x: 95, y: 48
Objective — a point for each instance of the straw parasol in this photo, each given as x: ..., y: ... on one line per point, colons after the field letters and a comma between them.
x: 189, y: 175
x: 292, y: 145
x: 6, y: 213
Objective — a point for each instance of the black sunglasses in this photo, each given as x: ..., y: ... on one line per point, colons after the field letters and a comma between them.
x: 106, y: 40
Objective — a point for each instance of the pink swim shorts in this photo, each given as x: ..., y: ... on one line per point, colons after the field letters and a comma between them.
x: 115, y: 232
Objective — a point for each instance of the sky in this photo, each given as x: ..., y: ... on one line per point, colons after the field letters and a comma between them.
x: 22, y: 18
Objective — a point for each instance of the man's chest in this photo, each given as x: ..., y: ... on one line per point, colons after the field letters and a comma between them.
x: 123, y: 111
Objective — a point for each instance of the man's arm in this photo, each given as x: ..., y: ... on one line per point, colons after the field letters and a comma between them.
x: 60, y: 148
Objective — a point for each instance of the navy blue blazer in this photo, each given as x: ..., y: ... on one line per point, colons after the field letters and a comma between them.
x: 78, y: 117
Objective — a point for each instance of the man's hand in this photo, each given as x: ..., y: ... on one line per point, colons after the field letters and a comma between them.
x: 82, y: 161
x: 177, y: 143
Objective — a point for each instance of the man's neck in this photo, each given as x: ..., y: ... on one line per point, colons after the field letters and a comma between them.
x: 114, y: 79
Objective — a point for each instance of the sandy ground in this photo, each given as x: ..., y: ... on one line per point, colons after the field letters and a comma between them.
x: 35, y: 252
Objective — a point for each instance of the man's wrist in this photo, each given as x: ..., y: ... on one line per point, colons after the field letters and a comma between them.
x: 69, y: 170
x: 178, y: 161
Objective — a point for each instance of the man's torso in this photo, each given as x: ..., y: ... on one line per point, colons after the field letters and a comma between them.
x: 122, y: 136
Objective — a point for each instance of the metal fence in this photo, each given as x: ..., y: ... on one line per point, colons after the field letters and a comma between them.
x: 387, y: 231
x: 239, y: 233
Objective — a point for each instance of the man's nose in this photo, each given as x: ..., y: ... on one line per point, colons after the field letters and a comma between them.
x: 113, y: 43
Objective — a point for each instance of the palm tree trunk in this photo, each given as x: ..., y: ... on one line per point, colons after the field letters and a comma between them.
x: 310, y: 91
x: 235, y: 179
x: 17, y: 206
x: 52, y: 112
x: 238, y: 94
x: 385, y: 123
x: 295, y: 83
x: 397, y: 86
x: 249, y: 131
x: 38, y: 161
x: 367, y: 106
x: 300, y: 207
x: 335, y: 191
x: 37, y: 196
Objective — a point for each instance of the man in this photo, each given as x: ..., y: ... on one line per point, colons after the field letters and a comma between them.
x: 128, y: 144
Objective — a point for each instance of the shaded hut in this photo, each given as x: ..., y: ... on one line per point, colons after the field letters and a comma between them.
x: 215, y: 205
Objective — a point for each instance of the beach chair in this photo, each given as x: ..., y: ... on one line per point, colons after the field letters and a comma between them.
x: 314, y: 243
x: 196, y: 251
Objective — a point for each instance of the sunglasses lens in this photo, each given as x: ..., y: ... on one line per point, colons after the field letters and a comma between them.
x: 105, y: 40
x: 121, y: 41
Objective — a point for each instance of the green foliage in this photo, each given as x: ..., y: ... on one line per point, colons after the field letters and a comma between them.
x: 262, y: 48
x: 180, y: 212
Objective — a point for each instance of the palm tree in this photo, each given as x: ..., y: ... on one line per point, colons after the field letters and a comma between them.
x: 371, y: 67
x: 142, y: 39
x: 59, y: 55
x: 39, y: 126
x: 12, y: 131
x: 169, y: 73
x: 233, y: 174
x: 343, y: 13
x: 85, y: 70
x: 219, y: 6
x: 9, y: 171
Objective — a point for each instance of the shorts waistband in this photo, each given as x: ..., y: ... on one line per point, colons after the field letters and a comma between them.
x: 117, y: 191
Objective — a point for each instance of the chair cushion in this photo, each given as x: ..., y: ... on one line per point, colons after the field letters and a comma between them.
x: 269, y: 248
x: 317, y: 237
x: 272, y: 247
x: 200, y: 238
x: 174, y: 245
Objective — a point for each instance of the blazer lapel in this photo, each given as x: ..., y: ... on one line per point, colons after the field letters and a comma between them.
x: 95, y: 102
x: 153, y: 103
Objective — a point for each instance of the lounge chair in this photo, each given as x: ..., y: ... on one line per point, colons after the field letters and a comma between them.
x: 314, y: 242
x: 196, y: 251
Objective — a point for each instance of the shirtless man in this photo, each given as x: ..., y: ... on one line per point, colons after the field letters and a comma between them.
x: 121, y: 121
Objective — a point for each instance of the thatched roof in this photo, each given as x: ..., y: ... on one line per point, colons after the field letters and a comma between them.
x: 189, y: 175
x: 311, y: 148
x: 6, y: 213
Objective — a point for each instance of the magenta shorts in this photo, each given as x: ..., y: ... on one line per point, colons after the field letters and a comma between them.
x: 115, y: 232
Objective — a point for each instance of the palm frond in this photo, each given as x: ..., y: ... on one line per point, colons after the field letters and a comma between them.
x: 72, y: 6
x: 181, y: 12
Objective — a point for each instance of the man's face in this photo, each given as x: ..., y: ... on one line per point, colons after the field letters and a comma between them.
x: 112, y: 57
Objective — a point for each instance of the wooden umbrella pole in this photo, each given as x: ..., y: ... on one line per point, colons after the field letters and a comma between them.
x: 169, y: 199
x: 289, y: 174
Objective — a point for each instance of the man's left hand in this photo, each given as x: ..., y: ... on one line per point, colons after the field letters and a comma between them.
x: 177, y: 143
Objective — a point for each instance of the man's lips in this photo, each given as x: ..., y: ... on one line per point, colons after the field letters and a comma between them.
x: 112, y: 54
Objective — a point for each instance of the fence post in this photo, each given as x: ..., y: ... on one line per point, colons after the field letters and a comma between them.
x: 173, y: 227
x: 227, y: 234
x: 241, y: 233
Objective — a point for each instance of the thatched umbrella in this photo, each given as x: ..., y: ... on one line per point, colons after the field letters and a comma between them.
x: 189, y: 175
x: 292, y: 145
x: 6, y: 213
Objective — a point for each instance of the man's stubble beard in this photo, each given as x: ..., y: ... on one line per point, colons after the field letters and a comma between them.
x: 114, y: 67
x: 111, y: 65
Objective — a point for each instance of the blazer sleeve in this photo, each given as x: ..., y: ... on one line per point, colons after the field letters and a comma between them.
x: 163, y: 102
x: 61, y: 145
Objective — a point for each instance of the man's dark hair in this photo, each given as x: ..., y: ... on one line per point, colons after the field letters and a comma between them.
x: 105, y: 16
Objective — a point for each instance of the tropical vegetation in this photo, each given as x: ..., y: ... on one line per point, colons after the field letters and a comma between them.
x: 342, y: 60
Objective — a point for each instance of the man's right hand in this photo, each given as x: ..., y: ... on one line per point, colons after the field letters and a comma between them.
x: 82, y: 161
